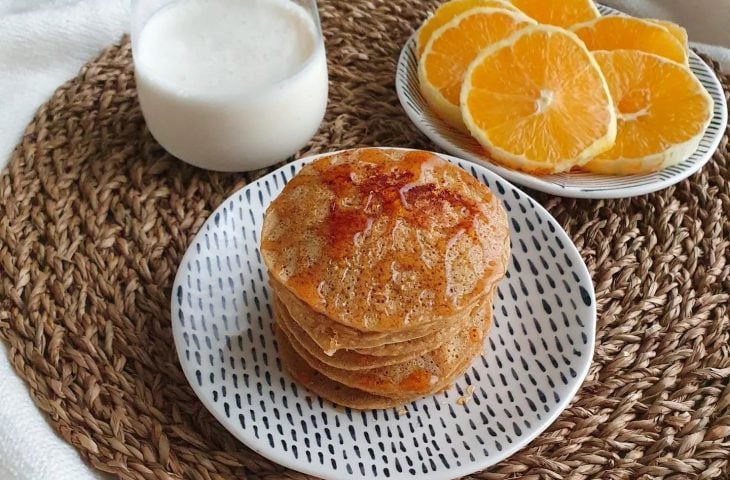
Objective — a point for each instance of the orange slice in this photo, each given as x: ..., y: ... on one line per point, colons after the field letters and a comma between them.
x: 448, y: 11
x: 453, y: 47
x: 562, y: 13
x: 663, y: 111
x: 538, y: 102
x: 613, y: 33
x: 677, y: 31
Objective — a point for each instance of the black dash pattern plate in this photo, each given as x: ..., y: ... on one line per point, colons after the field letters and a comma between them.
x: 536, y: 355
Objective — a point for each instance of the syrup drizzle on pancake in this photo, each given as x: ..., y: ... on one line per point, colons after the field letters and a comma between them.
x: 405, y: 237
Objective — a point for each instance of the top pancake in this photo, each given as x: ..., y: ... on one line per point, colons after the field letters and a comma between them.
x: 385, y: 240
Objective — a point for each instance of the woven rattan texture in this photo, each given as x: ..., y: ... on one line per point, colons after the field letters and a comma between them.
x: 94, y: 218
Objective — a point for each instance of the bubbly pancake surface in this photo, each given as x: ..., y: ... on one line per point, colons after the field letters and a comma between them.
x: 385, y: 240
x: 332, y: 336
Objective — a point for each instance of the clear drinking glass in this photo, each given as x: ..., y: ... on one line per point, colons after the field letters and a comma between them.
x: 230, y: 85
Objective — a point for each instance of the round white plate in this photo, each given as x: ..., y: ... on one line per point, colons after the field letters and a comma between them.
x: 579, y: 185
x: 537, y: 353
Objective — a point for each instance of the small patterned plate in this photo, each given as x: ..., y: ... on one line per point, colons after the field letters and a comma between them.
x: 579, y: 185
x: 537, y: 353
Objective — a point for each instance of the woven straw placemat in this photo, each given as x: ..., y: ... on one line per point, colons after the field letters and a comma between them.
x: 95, y: 216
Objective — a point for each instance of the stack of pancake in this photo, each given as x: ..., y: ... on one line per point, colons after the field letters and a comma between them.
x: 383, y: 264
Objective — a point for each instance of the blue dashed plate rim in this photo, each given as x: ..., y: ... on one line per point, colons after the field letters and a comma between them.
x: 212, y: 399
x: 574, y: 185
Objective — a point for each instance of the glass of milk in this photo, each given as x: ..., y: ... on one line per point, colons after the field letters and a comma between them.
x: 230, y: 85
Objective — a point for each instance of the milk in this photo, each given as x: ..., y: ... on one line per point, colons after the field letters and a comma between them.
x: 231, y: 85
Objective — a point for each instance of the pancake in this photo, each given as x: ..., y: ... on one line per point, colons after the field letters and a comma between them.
x: 385, y: 241
x: 344, y: 359
x: 420, y: 344
x: 417, y: 377
x: 382, y: 265
x: 353, y: 360
x: 324, y: 387
x: 331, y: 336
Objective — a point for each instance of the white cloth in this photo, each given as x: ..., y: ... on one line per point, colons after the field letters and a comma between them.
x: 42, y: 44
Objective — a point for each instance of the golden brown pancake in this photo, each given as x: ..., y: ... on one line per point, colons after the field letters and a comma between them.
x: 353, y: 360
x: 420, y: 344
x: 325, y: 387
x: 345, y: 359
x: 427, y: 343
x: 332, y: 336
x: 416, y: 377
x: 383, y: 265
x: 384, y: 240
